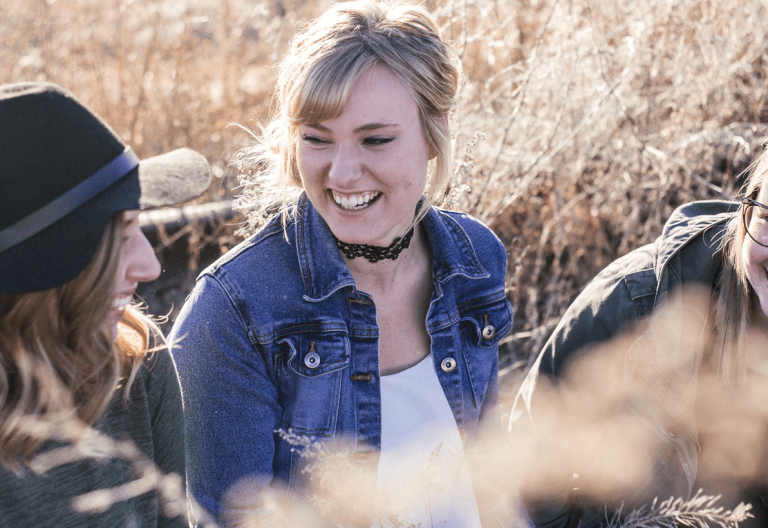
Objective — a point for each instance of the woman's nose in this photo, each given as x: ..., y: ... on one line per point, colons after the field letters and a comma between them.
x: 143, y: 265
x: 345, y: 167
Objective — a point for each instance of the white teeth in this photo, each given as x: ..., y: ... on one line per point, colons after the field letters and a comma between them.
x: 120, y: 302
x: 355, y: 202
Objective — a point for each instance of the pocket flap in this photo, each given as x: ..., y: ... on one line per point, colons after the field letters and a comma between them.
x: 315, y: 354
x: 488, y: 323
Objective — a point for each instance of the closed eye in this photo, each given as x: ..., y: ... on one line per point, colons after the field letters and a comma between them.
x: 375, y: 141
x: 314, y: 139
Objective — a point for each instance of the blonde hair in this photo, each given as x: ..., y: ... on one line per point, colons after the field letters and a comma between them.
x: 735, y: 297
x: 57, y: 355
x: 314, y: 81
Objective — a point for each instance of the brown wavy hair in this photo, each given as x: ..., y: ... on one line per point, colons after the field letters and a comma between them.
x: 735, y: 298
x: 57, y: 356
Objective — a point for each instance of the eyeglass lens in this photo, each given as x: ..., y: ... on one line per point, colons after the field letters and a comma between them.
x: 756, y: 223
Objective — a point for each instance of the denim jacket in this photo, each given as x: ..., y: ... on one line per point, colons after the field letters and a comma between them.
x: 625, y: 296
x: 275, y: 335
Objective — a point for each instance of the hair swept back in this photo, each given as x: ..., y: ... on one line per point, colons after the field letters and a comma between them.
x: 314, y: 80
x: 57, y: 357
x: 734, y: 298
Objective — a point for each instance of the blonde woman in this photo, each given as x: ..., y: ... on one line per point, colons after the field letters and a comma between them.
x: 76, y: 371
x: 687, y: 339
x: 360, y: 313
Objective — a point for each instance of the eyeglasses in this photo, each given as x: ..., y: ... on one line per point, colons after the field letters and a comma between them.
x: 755, y: 217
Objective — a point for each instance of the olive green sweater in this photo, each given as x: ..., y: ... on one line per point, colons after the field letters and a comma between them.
x: 153, y: 421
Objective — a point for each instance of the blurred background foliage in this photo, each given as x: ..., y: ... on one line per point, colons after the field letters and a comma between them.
x: 582, y: 124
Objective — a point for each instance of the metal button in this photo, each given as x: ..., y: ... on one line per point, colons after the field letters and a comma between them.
x: 312, y: 360
x: 448, y: 364
x: 488, y: 332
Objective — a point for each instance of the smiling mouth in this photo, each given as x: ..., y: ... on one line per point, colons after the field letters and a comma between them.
x: 120, y: 302
x: 355, y: 202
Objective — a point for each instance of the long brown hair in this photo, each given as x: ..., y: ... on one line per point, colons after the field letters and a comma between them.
x: 735, y: 297
x: 57, y: 355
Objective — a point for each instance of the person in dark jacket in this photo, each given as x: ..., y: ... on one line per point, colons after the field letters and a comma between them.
x: 91, y: 421
x: 684, y: 314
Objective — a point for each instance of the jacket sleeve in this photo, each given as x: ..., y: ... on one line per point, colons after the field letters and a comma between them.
x: 230, y: 402
x: 616, y: 299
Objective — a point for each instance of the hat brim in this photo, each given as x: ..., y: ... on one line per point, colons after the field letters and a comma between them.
x: 173, y: 178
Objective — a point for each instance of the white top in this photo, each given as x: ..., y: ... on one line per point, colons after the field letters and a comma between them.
x: 423, y: 476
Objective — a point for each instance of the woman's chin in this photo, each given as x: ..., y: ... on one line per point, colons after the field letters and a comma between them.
x: 356, y: 238
x: 115, y: 316
x: 358, y: 234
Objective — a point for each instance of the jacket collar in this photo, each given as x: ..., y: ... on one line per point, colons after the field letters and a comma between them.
x: 323, y: 269
x: 689, y: 221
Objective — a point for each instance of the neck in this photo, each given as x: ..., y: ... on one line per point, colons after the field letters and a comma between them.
x: 382, y: 275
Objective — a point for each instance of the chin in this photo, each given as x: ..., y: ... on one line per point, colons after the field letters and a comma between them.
x: 357, y: 239
x: 366, y: 236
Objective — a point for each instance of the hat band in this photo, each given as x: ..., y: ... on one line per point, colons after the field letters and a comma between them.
x: 54, y: 211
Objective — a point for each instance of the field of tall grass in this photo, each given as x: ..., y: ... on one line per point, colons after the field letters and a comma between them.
x: 582, y: 124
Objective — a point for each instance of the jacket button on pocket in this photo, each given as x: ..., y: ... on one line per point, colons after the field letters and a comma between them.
x: 312, y: 360
x: 448, y: 364
x: 488, y: 332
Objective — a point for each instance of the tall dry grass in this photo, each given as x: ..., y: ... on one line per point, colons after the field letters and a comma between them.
x: 582, y: 124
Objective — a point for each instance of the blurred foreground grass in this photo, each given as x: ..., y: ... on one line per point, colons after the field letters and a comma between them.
x: 582, y: 124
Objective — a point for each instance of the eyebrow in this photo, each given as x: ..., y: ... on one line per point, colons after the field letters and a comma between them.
x: 364, y: 128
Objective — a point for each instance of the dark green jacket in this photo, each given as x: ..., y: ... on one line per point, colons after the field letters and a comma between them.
x: 152, y: 422
x: 626, y: 295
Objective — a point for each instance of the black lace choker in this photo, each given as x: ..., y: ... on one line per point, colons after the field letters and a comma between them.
x: 374, y: 254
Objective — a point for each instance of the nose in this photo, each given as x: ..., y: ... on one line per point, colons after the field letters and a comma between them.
x: 346, y: 167
x: 142, y: 264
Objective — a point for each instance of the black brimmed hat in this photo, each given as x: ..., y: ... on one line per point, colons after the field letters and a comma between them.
x: 63, y: 174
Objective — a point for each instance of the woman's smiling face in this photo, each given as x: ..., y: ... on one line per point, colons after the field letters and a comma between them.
x: 365, y: 170
x: 138, y: 263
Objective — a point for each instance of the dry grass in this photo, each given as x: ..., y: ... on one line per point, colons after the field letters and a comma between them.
x: 583, y: 124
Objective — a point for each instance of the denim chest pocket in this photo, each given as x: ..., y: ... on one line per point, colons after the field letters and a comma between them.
x: 309, y: 372
x: 483, y: 323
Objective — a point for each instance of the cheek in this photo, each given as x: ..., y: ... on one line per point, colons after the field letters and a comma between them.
x: 308, y: 168
x: 750, y: 252
x: 122, y: 272
x: 755, y: 257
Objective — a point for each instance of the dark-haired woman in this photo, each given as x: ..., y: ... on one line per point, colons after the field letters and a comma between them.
x: 698, y: 299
